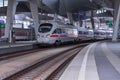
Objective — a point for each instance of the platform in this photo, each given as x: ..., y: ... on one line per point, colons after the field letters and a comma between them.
x: 98, y: 61
x: 17, y: 46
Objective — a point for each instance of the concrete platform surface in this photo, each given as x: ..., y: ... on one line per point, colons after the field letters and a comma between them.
x: 98, y: 61
x: 17, y: 43
x: 18, y: 46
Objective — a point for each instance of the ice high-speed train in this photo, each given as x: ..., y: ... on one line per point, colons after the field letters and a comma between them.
x: 57, y: 33
x: 103, y: 34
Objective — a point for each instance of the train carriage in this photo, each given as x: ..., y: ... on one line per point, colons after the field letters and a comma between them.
x: 109, y: 34
x: 18, y: 34
x: 56, y: 33
x: 100, y: 34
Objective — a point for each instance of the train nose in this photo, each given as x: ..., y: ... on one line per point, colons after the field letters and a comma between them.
x: 43, y: 39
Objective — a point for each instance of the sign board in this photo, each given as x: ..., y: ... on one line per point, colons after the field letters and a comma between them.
x: 109, y: 23
x: 2, y: 25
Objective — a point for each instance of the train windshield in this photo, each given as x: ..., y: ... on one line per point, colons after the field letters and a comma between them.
x: 43, y: 28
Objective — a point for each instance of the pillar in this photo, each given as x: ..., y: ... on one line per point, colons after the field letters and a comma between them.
x: 0, y: 32
x: 70, y: 17
x: 92, y: 20
x: 11, y: 9
x: 116, y: 21
x: 80, y: 19
x: 35, y: 14
x: 80, y: 23
x: 55, y: 17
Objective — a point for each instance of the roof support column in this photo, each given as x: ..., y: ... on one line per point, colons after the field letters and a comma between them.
x: 80, y: 19
x: 80, y: 23
x: 70, y: 17
x: 92, y: 20
x: 116, y: 21
x: 35, y: 14
x: 11, y: 9
x: 55, y: 17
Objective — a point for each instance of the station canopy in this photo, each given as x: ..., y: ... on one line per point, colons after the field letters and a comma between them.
x: 61, y: 7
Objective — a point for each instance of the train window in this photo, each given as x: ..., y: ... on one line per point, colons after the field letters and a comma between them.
x: 96, y: 33
x: 57, y: 31
x: 43, y: 28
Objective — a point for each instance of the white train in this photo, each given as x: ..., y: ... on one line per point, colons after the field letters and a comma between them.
x: 57, y: 33
x: 103, y: 34
x: 85, y: 34
x: 100, y: 34
x: 109, y: 34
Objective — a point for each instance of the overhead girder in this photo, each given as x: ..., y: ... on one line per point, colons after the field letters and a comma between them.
x: 63, y: 6
x: 23, y: 7
x: 22, y: 0
x: 52, y: 4
x: 73, y: 6
x: 113, y: 2
x: 77, y: 5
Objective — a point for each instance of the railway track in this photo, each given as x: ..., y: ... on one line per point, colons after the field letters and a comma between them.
x: 20, y: 66
x: 13, y: 65
x: 17, y: 54
x: 48, y: 68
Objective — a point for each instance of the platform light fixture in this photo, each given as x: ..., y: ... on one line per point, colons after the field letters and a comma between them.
x: 101, y: 11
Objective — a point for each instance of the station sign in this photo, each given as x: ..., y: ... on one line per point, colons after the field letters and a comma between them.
x: 109, y: 23
x: 2, y: 25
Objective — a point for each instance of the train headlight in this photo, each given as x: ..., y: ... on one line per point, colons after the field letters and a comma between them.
x: 48, y: 35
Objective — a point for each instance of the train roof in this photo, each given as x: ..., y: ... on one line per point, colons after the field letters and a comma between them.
x: 99, y: 30
x: 51, y: 21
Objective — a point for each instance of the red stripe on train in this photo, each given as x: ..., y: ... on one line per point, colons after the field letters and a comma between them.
x: 54, y: 35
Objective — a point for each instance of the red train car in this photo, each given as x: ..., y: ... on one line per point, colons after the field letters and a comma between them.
x: 18, y: 33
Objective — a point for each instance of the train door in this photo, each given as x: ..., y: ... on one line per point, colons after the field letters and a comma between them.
x: 68, y: 32
x: 57, y: 35
x: 90, y: 34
